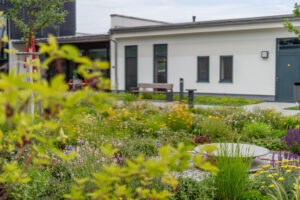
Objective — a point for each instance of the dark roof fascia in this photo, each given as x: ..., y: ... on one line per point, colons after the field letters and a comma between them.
x: 239, y: 21
x: 72, y: 39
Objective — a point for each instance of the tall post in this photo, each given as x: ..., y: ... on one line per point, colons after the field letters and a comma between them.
x: 30, y: 69
x: 181, y: 94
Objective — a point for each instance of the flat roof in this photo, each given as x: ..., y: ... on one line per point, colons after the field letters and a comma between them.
x: 237, y: 21
x: 138, y: 18
x: 73, y: 39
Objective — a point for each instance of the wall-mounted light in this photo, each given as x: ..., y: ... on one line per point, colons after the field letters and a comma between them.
x: 264, y: 54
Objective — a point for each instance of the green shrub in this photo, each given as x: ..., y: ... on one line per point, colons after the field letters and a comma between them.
x: 257, y: 130
x: 216, y: 129
x: 254, y: 195
x: 190, y: 189
x: 269, y: 143
x: 233, y: 179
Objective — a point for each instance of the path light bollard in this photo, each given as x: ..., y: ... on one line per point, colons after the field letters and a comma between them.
x: 191, y: 97
x: 297, y: 92
x: 181, y: 93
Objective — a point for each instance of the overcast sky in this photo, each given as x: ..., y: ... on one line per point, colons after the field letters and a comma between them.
x: 93, y: 16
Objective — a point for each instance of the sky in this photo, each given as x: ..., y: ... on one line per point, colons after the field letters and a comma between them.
x: 93, y: 16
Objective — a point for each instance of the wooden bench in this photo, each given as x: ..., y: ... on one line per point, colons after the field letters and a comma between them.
x: 157, y: 88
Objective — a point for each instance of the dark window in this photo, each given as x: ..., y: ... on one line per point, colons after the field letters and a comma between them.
x: 203, y: 69
x: 160, y: 63
x: 226, y: 68
x: 291, y: 43
x: 131, y: 67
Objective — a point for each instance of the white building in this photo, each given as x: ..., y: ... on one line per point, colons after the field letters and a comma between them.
x: 251, y: 57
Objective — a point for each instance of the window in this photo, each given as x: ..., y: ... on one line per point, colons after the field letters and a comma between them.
x: 160, y: 63
x: 226, y: 68
x: 203, y: 69
x: 131, y: 67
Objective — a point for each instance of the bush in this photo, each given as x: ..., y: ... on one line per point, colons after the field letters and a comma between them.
x: 180, y: 118
x: 257, y: 130
x: 216, y: 129
x: 190, y: 189
x: 254, y: 195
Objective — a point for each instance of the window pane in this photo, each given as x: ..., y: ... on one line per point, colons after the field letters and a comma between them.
x: 203, y: 68
x: 160, y: 63
x: 226, y: 68
x: 131, y: 51
x: 160, y: 50
x: 98, y: 54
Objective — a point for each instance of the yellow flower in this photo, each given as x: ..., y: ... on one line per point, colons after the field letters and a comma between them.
x: 288, y: 171
x: 270, y: 176
x: 263, y: 182
x: 281, y: 179
x: 271, y: 186
x: 262, y: 186
x: 275, y: 174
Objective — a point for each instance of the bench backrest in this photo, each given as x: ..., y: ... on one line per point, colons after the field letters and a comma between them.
x: 156, y: 85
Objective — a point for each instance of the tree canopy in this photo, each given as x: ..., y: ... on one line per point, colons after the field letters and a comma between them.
x: 39, y: 14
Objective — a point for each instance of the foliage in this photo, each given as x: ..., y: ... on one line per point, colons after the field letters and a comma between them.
x: 292, y: 140
x: 206, y: 100
x: 190, y: 189
x: 113, y: 182
x: 257, y: 130
x: 180, y: 118
x: 254, y: 195
x: 279, y: 179
x: 39, y: 14
x: 233, y: 179
x: 216, y: 129
x: 273, y: 143
x: 290, y: 27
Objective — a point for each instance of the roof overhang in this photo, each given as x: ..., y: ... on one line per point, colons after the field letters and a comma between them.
x: 206, y: 26
x: 72, y: 39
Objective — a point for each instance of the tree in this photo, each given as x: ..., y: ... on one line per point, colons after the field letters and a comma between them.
x: 291, y: 28
x: 39, y: 14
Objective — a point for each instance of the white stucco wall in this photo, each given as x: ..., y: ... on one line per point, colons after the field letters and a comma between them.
x: 252, y: 75
x: 118, y: 21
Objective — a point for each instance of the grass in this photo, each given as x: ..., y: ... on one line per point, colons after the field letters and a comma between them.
x: 233, y: 179
x: 292, y: 108
x: 199, y: 100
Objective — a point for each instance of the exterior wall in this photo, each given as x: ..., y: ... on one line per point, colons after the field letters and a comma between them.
x: 65, y: 29
x: 118, y: 21
x: 252, y: 75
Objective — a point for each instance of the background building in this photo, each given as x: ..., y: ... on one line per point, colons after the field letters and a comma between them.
x: 249, y: 57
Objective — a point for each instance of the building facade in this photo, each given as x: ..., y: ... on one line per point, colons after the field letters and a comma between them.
x: 65, y: 29
x: 251, y: 57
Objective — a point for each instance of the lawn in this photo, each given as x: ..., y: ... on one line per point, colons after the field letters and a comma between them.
x: 198, y: 100
x: 293, y: 108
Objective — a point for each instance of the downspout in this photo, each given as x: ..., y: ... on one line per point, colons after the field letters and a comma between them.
x: 116, y: 65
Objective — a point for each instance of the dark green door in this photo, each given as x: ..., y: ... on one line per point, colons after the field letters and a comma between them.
x: 288, y: 72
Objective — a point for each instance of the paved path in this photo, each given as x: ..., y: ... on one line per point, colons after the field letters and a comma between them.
x: 279, y: 107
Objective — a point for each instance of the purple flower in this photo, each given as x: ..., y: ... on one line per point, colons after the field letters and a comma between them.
x: 80, y: 142
x: 158, y: 132
x: 157, y: 141
x: 66, y: 152
x: 158, y: 144
x: 121, y: 158
x: 70, y: 147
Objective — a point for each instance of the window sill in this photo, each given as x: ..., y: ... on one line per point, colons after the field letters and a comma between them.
x: 202, y: 81
x: 226, y: 81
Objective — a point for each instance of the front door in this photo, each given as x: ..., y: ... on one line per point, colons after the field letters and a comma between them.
x: 130, y: 67
x: 288, y: 72
x: 287, y: 68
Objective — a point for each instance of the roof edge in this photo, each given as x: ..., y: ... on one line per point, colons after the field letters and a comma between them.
x: 234, y: 21
x: 138, y: 18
